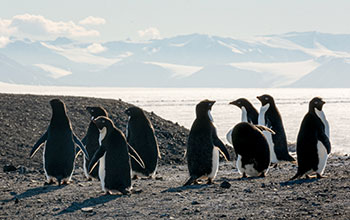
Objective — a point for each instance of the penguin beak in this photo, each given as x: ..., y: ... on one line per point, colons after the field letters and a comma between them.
x: 211, y: 103
x: 233, y: 103
x: 259, y: 97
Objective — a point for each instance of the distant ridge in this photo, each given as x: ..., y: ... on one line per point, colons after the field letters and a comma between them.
x: 194, y: 60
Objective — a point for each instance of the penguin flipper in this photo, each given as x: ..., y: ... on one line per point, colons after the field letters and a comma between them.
x: 81, y: 146
x: 98, y: 154
x: 84, y: 140
x: 38, y: 144
x: 325, y: 141
x: 218, y: 143
x: 264, y: 128
x: 134, y: 155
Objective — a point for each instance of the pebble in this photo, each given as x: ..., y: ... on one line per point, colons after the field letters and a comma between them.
x: 87, y: 209
x: 194, y: 203
x: 9, y: 168
x: 225, y: 185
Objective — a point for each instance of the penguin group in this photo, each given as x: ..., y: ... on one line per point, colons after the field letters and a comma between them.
x: 259, y: 141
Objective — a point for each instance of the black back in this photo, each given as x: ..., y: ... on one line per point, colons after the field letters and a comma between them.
x: 249, y: 142
x: 140, y: 135
x: 273, y: 120
x: 252, y: 113
x: 59, y: 149
x: 201, y: 141
x: 117, y: 162
x: 92, y: 135
x: 311, y: 131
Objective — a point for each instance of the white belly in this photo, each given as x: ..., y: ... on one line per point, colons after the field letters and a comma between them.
x: 102, y: 171
x: 322, y: 157
x: 248, y: 169
x: 47, y: 176
x: 244, y: 115
x: 261, y: 118
x: 229, y: 136
x: 322, y: 116
x: 268, y: 136
x: 85, y: 170
x: 215, y: 163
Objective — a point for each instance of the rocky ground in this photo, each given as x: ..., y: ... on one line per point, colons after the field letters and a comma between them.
x: 23, y: 118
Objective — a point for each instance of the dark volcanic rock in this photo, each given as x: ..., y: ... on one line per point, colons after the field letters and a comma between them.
x: 9, y: 168
x: 25, y: 118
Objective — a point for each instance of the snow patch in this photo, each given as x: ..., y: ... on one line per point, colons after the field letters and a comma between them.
x: 178, y: 70
x: 55, y: 71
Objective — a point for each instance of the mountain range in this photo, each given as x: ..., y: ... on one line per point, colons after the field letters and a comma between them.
x: 296, y: 59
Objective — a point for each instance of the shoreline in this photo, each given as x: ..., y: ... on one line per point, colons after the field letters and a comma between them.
x: 23, y: 196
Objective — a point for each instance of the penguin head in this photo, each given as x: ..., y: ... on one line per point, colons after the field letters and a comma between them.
x: 317, y: 103
x: 242, y: 102
x: 96, y: 111
x: 102, y: 122
x: 58, y: 106
x: 266, y: 99
x: 134, y: 111
x: 203, y: 108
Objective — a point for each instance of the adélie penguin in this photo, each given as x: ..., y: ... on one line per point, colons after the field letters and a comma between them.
x: 203, y: 146
x: 59, y: 150
x: 249, y: 114
x: 140, y: 135
x: 251, y: 148
x: 91, y: 139
x: 270, y: 117
x: 313, y: 145
x: 113, y: 157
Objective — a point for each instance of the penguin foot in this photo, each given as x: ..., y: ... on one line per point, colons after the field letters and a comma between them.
x: 65, y: 182
x: 50, y: 182
x: 135, y: 177
x: 307, y: 176
x: 88, y: 179
x: 150, y: 177
x: 262, y: 174
x: 275, y: 166
x: 244, y: 176
x: 191, y: 180
x: 106, y: 193
x: 319, y: 176
x: 210, y: 181
x: 125, y: 191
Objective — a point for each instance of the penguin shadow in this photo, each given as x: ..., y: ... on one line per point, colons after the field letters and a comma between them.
x: 75, y: 206
x: 184, y: 188
x: 240, y: 179
x: 34, y: 192
x: 298, y: 181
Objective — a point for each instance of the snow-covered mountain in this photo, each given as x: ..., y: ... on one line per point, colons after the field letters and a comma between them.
x: 308, y: 59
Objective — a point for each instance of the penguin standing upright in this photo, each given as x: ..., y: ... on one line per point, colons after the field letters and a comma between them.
x: 270, y: 117
x: 140, y: 135
x: 313, y: 145
x: 251, y: 148
x: 59, y: 150
x: 249, y: 114
x: 203, y: 145
x: 91, y: 139
x: 113, y: 157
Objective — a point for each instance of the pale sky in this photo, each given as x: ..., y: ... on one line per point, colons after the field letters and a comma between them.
x: 109, y: 20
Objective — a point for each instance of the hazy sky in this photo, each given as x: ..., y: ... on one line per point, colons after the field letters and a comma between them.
x: 141, y: 20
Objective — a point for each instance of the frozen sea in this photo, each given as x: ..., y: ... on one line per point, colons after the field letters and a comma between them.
x: 178, y: 105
